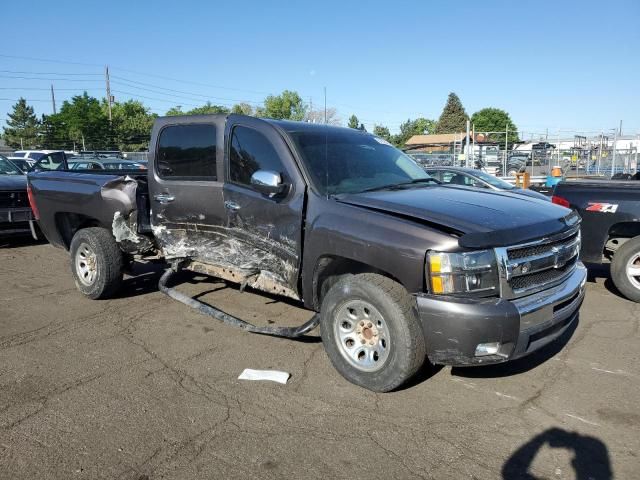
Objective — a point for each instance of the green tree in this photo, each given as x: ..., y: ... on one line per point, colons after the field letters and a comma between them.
x: 286, y: 106
x: 353, y: 122
x: 22, y: 126
x: 83, y: 118
x: 177, y: 110
x: 382, y: 132
x: 242, y: 109
x: 453, y: 118
x: 208, y: 109
x: 54, y: 133
x: 131, y: 125
x: 494, y: 120
x: 408, y: 129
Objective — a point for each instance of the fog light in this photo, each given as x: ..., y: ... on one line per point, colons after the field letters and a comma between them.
x: 487, y: 349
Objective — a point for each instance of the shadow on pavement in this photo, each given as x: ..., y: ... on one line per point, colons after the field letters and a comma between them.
x: 590, y: 455
x: 17, y: 241
x: 521, y: 365
x: 602, y: 270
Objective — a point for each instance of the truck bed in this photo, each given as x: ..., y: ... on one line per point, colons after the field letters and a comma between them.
x: 67, y: 201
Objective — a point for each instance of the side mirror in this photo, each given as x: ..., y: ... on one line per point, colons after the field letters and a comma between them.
x: 268, y: 182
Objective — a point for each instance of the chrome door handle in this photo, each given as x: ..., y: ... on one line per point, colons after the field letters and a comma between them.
x: 164, y: 198
x: 228, y: 204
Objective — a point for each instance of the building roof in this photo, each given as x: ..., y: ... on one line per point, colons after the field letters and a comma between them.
x: 440, y: 139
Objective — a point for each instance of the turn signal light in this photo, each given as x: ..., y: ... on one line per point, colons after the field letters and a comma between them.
x: 560, y: 201
x: 32, y: 203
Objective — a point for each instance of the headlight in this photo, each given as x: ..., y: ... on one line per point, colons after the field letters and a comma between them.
x: 467, y: 272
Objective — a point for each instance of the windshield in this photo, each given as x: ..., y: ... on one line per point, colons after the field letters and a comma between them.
x: 8, y: 168
x: 494, y: 181
x: 350, y: 162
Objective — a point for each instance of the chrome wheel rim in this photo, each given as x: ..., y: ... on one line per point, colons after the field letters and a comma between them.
x: 633, y: 270
x: 362, y: 335
x: 86, y: 264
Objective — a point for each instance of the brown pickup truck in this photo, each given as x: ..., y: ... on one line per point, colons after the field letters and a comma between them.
x: 399, y: 267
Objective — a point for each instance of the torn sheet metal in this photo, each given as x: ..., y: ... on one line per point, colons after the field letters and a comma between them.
x: 122, y: 190
x: 124, y: 231
x: 217, y: 251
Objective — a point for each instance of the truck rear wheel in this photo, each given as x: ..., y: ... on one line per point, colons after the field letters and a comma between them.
x: 625, y: 269
x: 96, y: 262
x: 371, y: 332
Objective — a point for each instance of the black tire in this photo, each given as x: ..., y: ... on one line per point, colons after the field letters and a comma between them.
x: 106, y: 263
x: 624, y: 254
x: 406, y: 344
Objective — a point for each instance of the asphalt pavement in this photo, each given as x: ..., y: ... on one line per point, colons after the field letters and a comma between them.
x: 142, y: 387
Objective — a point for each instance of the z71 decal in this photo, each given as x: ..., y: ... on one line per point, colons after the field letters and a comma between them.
x: 602, y: 207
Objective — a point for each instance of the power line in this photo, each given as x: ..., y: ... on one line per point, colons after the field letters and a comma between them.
x: 129, y: 84
x: 39, y: 88
x: 34, y: 59
x: 46, y: 73
x: 50, y: 79
x: 26, y: 100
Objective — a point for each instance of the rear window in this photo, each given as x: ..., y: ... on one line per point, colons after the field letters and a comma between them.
x: 187, y: 151
x: 19, y: 154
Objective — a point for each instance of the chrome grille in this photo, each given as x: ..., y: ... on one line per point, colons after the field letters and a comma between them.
x: 516, y: 253
x: 535, y: 266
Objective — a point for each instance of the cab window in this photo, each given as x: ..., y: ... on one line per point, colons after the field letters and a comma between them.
x: 187, y: 152
x: 251, y: 151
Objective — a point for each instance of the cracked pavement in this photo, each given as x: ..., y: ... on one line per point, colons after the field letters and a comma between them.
x: 141, y: 387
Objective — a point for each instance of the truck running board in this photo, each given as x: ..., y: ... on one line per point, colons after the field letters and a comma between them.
x: 286, y: 332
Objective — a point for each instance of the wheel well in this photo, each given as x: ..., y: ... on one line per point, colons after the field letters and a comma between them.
x: 625, y: 230
x: 329, y: 269
x: 69, y: 223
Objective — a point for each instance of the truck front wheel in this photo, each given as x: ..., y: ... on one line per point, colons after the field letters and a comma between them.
x: 371, y: 332
x: 96, y: 262
x: 625, y: 269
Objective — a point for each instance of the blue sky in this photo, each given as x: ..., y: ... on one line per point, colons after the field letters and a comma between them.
x: 570, y: 65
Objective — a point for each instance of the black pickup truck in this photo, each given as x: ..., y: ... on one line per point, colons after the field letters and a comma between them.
x: 399, y: 267
x: 610, y: 211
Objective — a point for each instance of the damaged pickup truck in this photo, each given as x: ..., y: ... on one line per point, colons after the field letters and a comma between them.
x: 398, y: 267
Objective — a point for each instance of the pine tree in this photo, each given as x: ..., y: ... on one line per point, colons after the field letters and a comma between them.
x: 22, y: 126
x: 353, y: 122
x: 453, y: 118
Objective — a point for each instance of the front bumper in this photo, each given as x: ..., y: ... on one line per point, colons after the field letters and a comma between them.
x: 17, y: 220
x: 454, y: 327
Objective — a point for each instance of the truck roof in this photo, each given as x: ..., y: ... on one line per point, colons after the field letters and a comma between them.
x: 288, y: 126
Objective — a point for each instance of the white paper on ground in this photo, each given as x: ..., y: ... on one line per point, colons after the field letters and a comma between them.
x: 272, y: 375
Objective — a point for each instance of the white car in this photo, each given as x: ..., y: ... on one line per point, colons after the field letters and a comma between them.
x: 47, y: 159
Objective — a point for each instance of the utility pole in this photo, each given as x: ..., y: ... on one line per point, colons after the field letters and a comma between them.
x: 620, y: 132
x: 106, y: 76
x: 325, y: 105
x: 613, y: 160
x: 466, y: 146
x: 600, y: 152
x: 506, y: 147
x: 53, y: 100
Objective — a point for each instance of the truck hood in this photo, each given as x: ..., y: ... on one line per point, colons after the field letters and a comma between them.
x: 481, y: 219
x: 13, y: 182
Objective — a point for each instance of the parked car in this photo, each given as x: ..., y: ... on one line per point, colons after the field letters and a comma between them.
x: 610, y: 212
x: 49, y: 159
x: 470, y: 177
x: 398, y: 266
x: 104, y: 164
x: 23, y: 164
x: 15, y: 212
